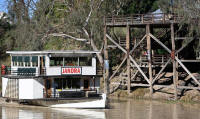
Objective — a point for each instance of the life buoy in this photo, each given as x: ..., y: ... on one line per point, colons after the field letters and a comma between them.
x: 3, y: 67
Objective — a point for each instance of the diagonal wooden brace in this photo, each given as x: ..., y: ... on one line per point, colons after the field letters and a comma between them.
x: 176, y: 58
x: 160, y: 43
x: 140, y: 70
x: 131, y: 58
x: 161, y: 71
x: 138, y: 44
x: 118, y: 68
x: 183, y: 66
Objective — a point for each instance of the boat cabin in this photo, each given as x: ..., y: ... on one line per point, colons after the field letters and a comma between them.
x: 50, y: 74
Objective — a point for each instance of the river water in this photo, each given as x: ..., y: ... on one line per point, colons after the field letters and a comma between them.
x: 119, y: 109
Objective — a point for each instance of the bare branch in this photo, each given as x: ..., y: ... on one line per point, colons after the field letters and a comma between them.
x: 85, y: 31
x: 88, y: 17
x: 67, y: 36
x: 50, y: 10
x: 99, y: 5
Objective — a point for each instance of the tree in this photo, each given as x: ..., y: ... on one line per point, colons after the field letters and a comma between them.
x: 75, y: 24
x: 190, y: 11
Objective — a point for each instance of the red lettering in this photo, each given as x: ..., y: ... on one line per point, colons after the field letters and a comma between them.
x: 71, y: 70
x: 68, y: 71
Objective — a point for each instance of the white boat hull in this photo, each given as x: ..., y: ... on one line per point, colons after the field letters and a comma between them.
x: 89, y: 105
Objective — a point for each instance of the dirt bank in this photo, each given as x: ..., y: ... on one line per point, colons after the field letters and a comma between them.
x: 160, y: 94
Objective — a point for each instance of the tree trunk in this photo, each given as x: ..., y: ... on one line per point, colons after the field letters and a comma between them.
x: 99, y: 55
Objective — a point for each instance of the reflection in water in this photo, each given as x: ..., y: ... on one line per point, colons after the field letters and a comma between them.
x: 127, y: 109
x: 84, y: 113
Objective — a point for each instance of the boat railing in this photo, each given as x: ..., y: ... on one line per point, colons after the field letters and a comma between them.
x: 70, y: 93
x: 21, y: 71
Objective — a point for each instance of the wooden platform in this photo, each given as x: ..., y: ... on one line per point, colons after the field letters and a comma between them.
x: 142, y: 19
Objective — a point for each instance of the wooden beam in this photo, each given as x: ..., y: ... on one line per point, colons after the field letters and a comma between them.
x: 142, y: 85
x: 190, y: 60
x: 163, y: 86
x: 183, y: 66
x: 188, y: 87
x: 173, y: 60
x: 128, y: 59
x: 160, y: 43
x: 115, y: 83
x: 132, y: 77
x: 118, y: 68
x: 106, y: 66
x: 113, y: 41
x: 149, y: 57
x: 140, y: 70
x: 182, y: 38
x: 112, y: 46
x: 168, y: 61
x: 132, y: 84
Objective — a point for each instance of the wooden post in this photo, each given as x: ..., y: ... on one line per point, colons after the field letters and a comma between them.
x: 173, y: 60
x: 128, y: 59
x: 106, y: 63
x: 149, y: 57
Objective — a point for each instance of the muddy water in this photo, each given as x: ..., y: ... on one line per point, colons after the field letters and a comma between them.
x: 120, y: 109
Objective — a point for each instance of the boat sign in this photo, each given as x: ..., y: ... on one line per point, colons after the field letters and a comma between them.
x: 71, y: 70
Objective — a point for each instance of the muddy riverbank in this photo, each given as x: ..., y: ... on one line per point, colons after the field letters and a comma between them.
x: 163, y: 94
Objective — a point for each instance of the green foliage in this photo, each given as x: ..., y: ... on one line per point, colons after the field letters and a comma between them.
x: 140, y: 6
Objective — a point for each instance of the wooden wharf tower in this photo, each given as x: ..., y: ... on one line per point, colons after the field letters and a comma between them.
x: 161, y: 33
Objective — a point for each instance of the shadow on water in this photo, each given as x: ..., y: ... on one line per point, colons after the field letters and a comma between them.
x: 119, y: 109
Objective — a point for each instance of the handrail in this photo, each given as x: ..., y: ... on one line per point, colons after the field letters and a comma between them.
x: 156, y: 59
x: 143, y: 18
x: 26, y: 71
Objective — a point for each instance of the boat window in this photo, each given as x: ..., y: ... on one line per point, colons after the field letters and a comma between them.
x: 27, y: 61
x: 14, y: 60
x: 64, y: 84
x: 85, y: 61
x: 20, y: 60
x: 56, y: 61
x: 34, y: 60
x: 71, y: 61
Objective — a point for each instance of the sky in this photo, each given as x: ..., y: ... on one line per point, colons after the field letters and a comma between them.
x: 3, y: 6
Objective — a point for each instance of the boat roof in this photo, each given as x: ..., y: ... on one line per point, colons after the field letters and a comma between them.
x: 52, y: 52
